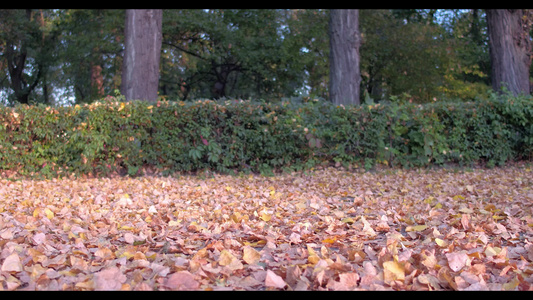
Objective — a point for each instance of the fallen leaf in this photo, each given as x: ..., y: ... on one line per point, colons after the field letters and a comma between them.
x: 429, y: 280
x: 457, y: 260
x: 274, y: 280
x: 348, y: 220
x: 296, y: 231
x: 250, y: 255
x: 110, y: 279
x: 181, y: 281
x: 229, y: 260
x: 12, y: 263
x: 393, y: 270
x: 441, y: 243
x: 265, y: 216
x: 49, y: 214
x: 7, y: 234
x: 349, y: 280
x: 416, y: 228
x: 129, y: 238
x: 492, y: 251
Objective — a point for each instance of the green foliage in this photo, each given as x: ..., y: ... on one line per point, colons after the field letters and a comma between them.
x: 233, y: 136
x: 72, y: 56
x: 228, y: 53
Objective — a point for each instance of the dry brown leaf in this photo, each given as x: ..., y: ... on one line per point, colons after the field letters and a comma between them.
x: 408, y: 230
x: 181, y: 281
x: 12, y: 263
x: 110, y: 279
x: 274, y: 280
x: 250, y: 255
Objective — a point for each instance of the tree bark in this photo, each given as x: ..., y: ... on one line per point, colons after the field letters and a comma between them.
x: 16, y: 52
x: 140, y: 74
x: 345, y: 40
x: 97, y: 80
x: 510, y: 49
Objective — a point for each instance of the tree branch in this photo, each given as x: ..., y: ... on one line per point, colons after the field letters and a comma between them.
x: 185, y: 50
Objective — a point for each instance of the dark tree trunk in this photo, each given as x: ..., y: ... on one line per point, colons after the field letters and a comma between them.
x: 510, y: 49
x: 140, y: 74
x: 345, y: 40
x: 97, y: 81
x: 16, y: 53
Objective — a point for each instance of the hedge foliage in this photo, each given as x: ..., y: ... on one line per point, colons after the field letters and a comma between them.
x: 230, y: 136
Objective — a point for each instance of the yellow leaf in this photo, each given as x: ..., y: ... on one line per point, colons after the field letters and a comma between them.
x: 250, y: 255
x: 122, y: 105
x: 313, y: 259
x: 416, y: 228
x: 126, y: 254
x: 492, y: 251
x: 227, y: 259
x: 348, y: 220
x: 441, y: 243
x: 393, y: 270
x: 149, y: 107
x: 265, y: 217
x: 329, y: 241
x: 312, y: 256
x: 259, y: 243
x: 202, y: 253
x: 36, y: 212
x: 237, y: 217
x: 49, y: 213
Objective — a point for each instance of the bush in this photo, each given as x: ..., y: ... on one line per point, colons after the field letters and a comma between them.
x: 230, y: 136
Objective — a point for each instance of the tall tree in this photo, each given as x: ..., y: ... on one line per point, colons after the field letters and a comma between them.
x: 235, y: 53
x: 345, y: 40
x: 91, y: 52
x: 24, y: 50
x: 510, y: 48
x: 140, y: 75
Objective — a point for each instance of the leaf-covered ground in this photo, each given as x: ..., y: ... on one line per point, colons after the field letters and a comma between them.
x: 322, y: 230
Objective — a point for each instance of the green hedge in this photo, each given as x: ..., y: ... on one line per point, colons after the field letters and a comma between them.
x: 246, y: 136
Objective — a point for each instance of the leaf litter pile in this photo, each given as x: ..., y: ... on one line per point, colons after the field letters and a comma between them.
x: 327, y: 229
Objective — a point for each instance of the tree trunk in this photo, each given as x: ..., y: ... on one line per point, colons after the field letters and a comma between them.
x: 510, y: 49
x: 140, y: 74
x: 16, y: 52
x: 345, y: 40
x: 97, y: 81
